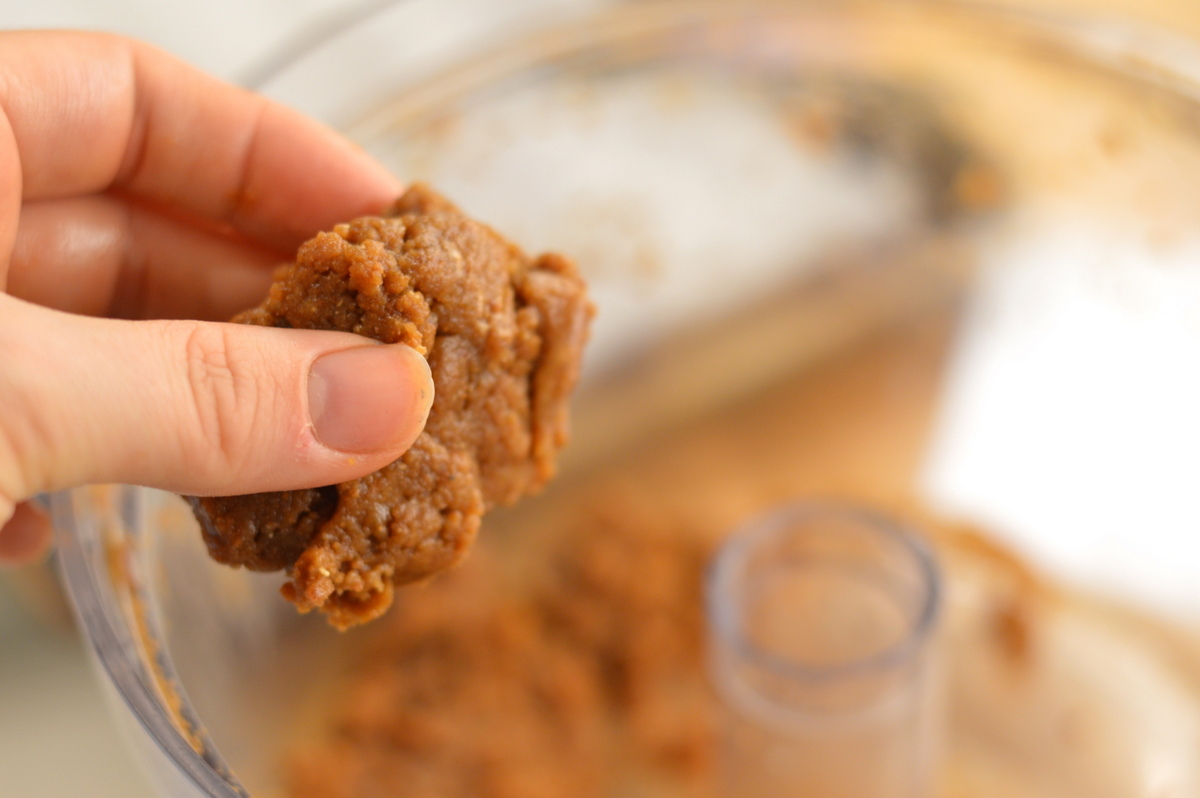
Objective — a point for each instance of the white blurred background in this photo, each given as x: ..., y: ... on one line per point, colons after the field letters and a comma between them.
x: 229, y: 38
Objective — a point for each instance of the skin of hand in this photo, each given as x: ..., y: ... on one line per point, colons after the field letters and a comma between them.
x: 141, y: 201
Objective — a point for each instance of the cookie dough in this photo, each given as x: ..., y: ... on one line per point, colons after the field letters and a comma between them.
x: 504, y: 335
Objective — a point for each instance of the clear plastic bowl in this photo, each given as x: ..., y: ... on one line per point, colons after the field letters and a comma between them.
x: 799, y: 173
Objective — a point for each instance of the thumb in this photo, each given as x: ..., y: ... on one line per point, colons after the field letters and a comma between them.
x: 196, y: 407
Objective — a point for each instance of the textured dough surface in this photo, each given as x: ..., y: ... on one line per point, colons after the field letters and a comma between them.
x: 503, y: 334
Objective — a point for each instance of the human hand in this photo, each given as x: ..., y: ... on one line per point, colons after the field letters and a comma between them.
x: 135, y: 187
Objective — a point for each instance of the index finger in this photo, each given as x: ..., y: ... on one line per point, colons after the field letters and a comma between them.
x: 93, y: 112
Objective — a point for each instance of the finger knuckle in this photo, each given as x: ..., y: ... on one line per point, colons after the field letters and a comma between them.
x: 28, y: 435
x: 8, y: 507
x: 222, y: 390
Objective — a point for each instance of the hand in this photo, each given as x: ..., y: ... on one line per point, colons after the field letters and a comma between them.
x: 133, y: 186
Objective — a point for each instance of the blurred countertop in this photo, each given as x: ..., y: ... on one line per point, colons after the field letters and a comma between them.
x: 56, y: 738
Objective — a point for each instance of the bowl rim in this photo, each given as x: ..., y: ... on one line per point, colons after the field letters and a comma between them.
x: 114, y: 648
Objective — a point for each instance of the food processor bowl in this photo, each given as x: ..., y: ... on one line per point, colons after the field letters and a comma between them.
x: 752, y: 188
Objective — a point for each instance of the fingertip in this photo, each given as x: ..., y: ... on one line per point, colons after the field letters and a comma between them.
x: 369, y: 399
x: 383, y: 184
x: 284, y: 206
x: 26, y: 537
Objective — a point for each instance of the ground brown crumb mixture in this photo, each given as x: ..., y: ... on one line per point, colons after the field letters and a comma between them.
x: 587, y: 682
x: 504, y: 336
